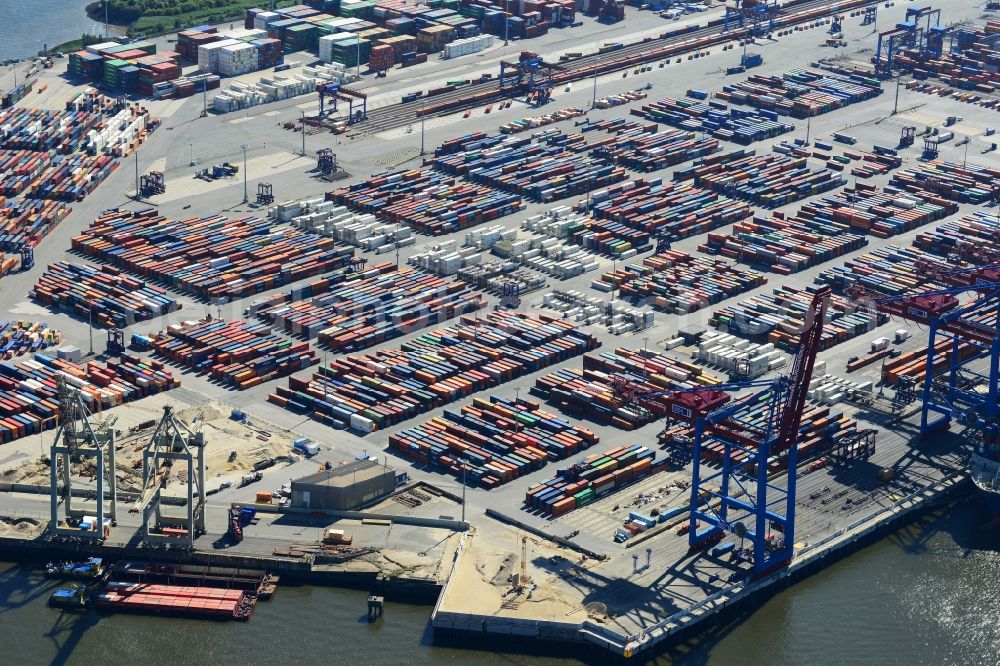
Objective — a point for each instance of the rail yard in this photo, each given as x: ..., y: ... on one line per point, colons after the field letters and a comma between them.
x: 588, y: 336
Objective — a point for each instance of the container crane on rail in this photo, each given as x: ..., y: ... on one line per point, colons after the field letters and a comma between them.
x: 746, y: 503
x: 971, y: 331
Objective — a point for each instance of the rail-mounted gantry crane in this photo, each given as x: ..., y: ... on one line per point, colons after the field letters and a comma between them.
x: 740, y: 498
x: 962, y: 366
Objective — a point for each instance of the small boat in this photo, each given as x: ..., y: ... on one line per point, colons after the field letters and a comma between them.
x: 91, y: 568
x: 70, y: 597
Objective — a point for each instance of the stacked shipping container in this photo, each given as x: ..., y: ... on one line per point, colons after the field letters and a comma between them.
x: 29, y: 399
x: 589, y: 393
x: 492, y: 440
x: 353, y: 311
x: 680, y: 283
x: 778, y: 318
x: 102, y: 295
x: 214, y: 256
x: 767, y: 180
x: 427, y: 201
x: 802, y: 93
x: 239, y: 354
x: 440, y: 366
x: 598, y: 475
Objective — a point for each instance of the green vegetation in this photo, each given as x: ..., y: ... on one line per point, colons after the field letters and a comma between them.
x: 76, y: 44
x: 152, y: 17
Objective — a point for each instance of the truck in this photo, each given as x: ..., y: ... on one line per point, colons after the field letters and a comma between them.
x: 337, y: 538
x: 305, y: 446
x: 878, y: 344
x: 252, y: 477
x: 642, y: 519
x: 629, y: 530
x: 141, y: 342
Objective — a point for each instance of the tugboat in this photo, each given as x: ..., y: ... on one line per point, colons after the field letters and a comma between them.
x: 70, y: 597
x: 92, y: 568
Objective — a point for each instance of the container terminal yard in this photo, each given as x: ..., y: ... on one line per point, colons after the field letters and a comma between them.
x: 586, y: 338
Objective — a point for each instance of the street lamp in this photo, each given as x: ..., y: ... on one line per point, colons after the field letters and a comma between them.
x: 246, y: 197
x: 303, y: 128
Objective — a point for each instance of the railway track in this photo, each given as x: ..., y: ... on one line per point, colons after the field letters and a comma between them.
x: 595, y: 64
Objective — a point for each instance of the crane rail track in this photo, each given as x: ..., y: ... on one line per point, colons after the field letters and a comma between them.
x: 595, y: 64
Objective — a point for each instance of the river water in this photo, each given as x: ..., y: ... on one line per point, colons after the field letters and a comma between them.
x: 928, y: 594
x: 29, y: 24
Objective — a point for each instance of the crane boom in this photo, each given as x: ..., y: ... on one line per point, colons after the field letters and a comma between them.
x: 744, y: 489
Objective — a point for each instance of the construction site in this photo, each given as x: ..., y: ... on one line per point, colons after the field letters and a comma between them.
x: 612, y: 337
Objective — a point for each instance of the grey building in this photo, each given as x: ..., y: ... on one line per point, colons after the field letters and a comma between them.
x: 344, y: 488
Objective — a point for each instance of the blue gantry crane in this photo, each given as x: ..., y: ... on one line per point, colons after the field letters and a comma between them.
x: 530, y: 75
x: 739, y: 497
x: 963, y: 384
x: 921, y: 30
x: 761, y: 15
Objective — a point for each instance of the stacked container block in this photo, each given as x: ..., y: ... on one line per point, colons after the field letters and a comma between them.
x: 440, y: 366
x: 680, y: 283
x: 103, y: 295
x: 427, y: 201
x: 353, y: 311
x: 29, y: 399
x: 213, y: 257
x: 493, y: 440
x: 596, y: 476
x: 778, y: 318
x: 239, y: 354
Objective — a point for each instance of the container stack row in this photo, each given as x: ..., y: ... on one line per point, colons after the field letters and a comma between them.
x: 740, y: 126
x: 971, y: 65
x: 778, y: 318
x: 103, y: 295
x: 865, y: 209
x: 133, y: 67
x: 678, y: 282
x: 278, y: 86
x: 676, y: 210
x: 606, y: 237
x: 45, y: 130
x: 493, y: 440
x: 653, y: 151
x: 589, y: 393
x: 21, y: 337
x: 801, y: 93
x: 890, y: 271
x: 29, y: 399
x: 820, y: 430
x: 353, y: 311
x: 213, y: 257
x: 913, y: 365
x: 71, y: 177
x: 952, y: 182
x: 533, y: 122
x: 779, y: 245
x: 532, y: 168
x: 379, y: 390
x: 428, y: 201
x: 19, y: 168
x: 966, y: 237
x: 238, y: 353
x: 325, y: 218
x: 596, y: 476
x: 769, y: 180
x: 27, y: 221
